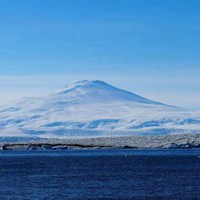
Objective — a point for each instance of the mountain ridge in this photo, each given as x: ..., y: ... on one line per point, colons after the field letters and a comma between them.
x: 101, y: 84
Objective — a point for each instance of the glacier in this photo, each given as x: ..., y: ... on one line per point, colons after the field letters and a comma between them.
x: 94, y: 108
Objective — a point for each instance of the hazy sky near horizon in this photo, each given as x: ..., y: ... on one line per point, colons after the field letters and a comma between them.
x: 150, y: 47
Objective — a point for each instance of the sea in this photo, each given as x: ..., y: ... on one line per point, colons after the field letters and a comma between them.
x: 100, y: 174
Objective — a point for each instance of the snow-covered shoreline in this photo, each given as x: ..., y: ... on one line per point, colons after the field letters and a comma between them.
x: 178, y: 141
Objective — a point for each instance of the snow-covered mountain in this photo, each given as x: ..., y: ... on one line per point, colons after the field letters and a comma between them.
x: 94, y: 108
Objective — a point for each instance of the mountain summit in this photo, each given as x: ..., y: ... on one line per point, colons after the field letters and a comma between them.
x: 101, y: 91
x: 94, y: 107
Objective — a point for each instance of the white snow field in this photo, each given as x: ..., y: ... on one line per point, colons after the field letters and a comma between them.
x: 94, y: 108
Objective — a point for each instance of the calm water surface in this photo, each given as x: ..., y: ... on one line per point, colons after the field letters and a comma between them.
x: 100, y: 174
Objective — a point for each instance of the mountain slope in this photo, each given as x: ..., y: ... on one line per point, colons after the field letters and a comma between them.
x: 94, y: 108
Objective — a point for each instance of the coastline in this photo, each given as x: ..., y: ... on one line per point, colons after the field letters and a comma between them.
x: 176, y: 141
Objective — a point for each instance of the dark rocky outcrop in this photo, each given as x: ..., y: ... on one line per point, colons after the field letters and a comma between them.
x: 46, y: 147
x: 3, y: 147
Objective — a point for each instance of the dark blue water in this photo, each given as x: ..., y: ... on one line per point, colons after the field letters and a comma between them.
x: 100, y: 174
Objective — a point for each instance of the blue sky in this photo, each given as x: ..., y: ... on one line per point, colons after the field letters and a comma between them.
x: 151, y: 47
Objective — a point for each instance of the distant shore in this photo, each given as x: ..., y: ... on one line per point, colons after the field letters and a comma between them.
x: 178, y: 141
